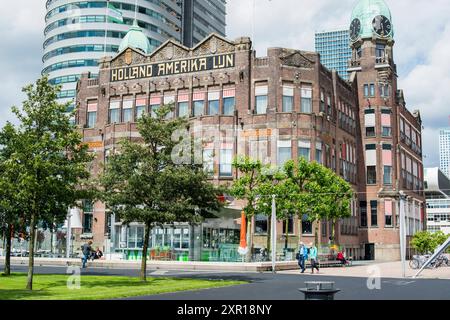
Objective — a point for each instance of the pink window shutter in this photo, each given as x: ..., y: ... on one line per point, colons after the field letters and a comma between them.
x: 387, y: 157
x: 388, y: 207
x: 386, y: 120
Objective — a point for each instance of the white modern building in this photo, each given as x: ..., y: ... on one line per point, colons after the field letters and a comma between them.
x: 77, y: 32
x: 444, y: 151
x: 437, y: 192
x: 334, y: 49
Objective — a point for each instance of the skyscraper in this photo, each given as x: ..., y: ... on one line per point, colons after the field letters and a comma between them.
x: 444, y: 151
x: 334, y: 49
x: 75, y: 32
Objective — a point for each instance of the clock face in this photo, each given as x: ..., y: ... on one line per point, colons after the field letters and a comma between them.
x: 355, y: 29
x: 382, y: 26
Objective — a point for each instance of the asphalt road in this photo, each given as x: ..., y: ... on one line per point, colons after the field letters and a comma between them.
x: 266, y: 286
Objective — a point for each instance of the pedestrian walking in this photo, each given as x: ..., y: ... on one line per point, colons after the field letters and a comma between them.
x: 302, y: 256
x: 313, y: 257
x: 86, y: 250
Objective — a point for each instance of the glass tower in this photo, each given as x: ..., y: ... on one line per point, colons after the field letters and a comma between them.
x: 76, y: 32
x: 334, y: 49
x: 444, y: 151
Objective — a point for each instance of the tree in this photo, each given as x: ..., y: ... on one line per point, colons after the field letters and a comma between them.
x: 48, y: 159
x: 273, y: 181
x: 427, y: 242
x: 245, y: 187
x: 423, y: 242
x: 9, y: 210
x: 141, y: 183
x: 320, y: 193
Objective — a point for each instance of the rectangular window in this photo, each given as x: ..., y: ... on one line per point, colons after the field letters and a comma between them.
x: 261, y: 99
x: 169, y: 100
x: 260, y: 224
x: 388, y: 212
x: 229, y: 101
x: 371, y: 175
x: 213, y: 103
x: 366, y: 90
x: 183, y: 109
x: 386, y: 131
x: 374, y: 213
x: 329, y: 110
x: 208, y: 160
x: 306, y: 99
x: 127, y: 111
x: 199, y: 103
x: 304, y: 149
x: 225, y: 161
x: 306, y: 225
x: 387, y: 175
x: 372, y: 90
x: 363, y: 212
x: 319, y: 152
x: 198, y: 108
x: 290, y: 225
x: 370, y: 132
x: 322, y: 102
x: 380, y: 50
x: 92, y: 119
x: 92, y: 114
x: 384, y: 90
x: 114, y: 112
x: 228, y: 106
x: 88, y: 212
x: 288, y: 99
x: 155, y: 103
x: 140, y: 107
x: 284, y: 152
x: 183, y: 105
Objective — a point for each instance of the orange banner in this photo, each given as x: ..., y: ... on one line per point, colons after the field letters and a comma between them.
x: 243, y: 243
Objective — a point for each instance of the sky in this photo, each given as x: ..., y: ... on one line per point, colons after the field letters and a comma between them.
x: 422, y: 48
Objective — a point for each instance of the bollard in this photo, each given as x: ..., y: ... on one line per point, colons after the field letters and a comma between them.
x: 319, y: 290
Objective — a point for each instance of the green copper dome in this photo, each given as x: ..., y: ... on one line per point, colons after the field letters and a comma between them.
x: 371, y: 17
x: 136, y: 39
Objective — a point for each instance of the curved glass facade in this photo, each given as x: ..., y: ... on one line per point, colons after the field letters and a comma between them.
x: 75, y: 31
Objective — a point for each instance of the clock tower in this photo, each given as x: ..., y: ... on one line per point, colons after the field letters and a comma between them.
x: 390, y: 143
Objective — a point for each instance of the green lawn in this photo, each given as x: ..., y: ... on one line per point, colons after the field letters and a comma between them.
x: 54, y: 287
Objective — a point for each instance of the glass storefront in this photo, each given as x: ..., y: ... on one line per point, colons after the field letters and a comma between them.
x: 214, y: 240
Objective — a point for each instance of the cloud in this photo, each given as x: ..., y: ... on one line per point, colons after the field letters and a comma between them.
x: 422, y: 49
x: 21, y: 34
x: 422, y: 34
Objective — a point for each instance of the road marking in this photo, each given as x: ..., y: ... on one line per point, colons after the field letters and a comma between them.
x: 399, y: 282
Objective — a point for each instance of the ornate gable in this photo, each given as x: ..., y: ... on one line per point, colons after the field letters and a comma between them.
x: 170, y: 50
x: 214, y: 44
x: 128, y: 56
x: 297, y: 59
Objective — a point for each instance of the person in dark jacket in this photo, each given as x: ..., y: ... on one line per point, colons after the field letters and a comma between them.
x: 302, y: 256
x: 86, y: 250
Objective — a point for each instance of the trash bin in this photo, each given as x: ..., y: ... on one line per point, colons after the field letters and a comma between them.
x: 319, y: 290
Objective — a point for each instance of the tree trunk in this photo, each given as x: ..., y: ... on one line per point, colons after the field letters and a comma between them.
x: 286, y: 236
x: 31, y: 251
x: 316, y: 233
x: 8, y: 236
x: 269, y: 234
x: 333, y: 225
x: 248, y: 257
x: 143, y: 275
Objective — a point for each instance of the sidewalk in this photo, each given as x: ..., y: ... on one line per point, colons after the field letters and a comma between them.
x: 160, y: 265
x: 383, y: 269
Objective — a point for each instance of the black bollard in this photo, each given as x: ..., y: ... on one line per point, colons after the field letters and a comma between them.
x: 319, y: 290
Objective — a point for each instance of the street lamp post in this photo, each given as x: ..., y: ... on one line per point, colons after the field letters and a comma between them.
x: 402, y: 218
x: 274, y: 233
x: 69, y: 233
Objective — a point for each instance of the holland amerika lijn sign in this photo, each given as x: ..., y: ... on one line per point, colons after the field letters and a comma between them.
x: 173, y: 67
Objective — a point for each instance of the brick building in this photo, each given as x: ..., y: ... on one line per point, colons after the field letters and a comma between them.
x: 278, y: 107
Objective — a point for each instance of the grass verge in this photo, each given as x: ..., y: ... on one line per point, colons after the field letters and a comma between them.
x: 55, y: 287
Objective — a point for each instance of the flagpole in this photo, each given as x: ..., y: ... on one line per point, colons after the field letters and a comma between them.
x: 135, y: 10
x: 106, y: 27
